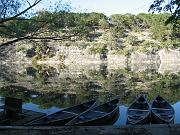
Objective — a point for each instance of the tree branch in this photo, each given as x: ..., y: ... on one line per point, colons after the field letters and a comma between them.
x: 39, y: 38
x: 17, y: 15
x: 12, y: 41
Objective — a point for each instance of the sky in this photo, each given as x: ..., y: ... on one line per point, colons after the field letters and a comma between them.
x: 108, y: 7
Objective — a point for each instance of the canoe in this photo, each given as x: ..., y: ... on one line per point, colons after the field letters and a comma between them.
x: 105, y: 114
x: 139, y: 111
x: 61, y: 117
x: 162, y: 112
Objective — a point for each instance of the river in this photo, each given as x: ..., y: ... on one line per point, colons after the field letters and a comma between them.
x: 50, y: 88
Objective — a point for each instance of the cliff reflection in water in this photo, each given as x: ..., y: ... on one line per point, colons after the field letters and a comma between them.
x: 68, y: 85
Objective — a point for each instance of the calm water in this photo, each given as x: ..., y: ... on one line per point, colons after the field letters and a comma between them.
x: 49, y: 89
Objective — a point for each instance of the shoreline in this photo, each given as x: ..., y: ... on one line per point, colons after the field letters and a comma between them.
x: 156, y: 129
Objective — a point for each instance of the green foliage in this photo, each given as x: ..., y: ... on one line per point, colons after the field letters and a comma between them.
x: 34, y: 60
x: 149, y: 47
x: 83, y: 26
x: 9, y: 7
x: 143, y: 49
x: 104, y: 49
x: 103, y: 23
x: 53, y: 91
x: 98, y: 48
x: 42, y: 50
x: 171, y: 7
x: 127, y: 21
x: 21, y: 49
x: 18, y: 28
x: 148, y: 44
x: 118, y: 32
x: 136, y: 29
x: 125, y: 51
x: 161, y: 31
x: 60, y: 57
x: 132, y: 40
x: 167, y: 34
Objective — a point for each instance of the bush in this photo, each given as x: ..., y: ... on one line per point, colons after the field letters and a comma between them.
x: 34, y: 60
x: 132, y: 40
x: 21, y: 49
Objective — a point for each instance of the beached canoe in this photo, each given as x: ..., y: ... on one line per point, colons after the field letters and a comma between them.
x: 63, y: 116
x: 139, y: 111
x: 162, y: 112
x: 105, y: 114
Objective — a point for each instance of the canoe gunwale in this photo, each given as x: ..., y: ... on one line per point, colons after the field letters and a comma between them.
x: 140, y: 120
x: 59, y: 120
x: 164, y: 120
x: 116, y: 108
x: 105, y: 115
x: 132, y: 121
x: 158, y: 116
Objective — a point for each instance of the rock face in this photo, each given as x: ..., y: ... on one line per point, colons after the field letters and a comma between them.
x: 170, y: 61
x: 169, y: 56
x: 74, y: 54
x: 7, y: 52
x: 144, y: 58
x: 166, y: 60
x: 10, y: 53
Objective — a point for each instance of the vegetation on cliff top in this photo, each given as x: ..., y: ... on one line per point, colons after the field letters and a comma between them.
x: 121, y: 33
x: 90, y: 26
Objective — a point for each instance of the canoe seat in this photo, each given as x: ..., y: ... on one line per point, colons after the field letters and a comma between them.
x: 138, y: 110
x: 96, y: 114
x: 135, y: 117
x: 70, y: 112
x: 161, y: 109
x: 61, y: 115
x: 170, y: 115
x: 162, y: 112
x: 92, y: 115
x: 83, y: 118
x: 100, y: 112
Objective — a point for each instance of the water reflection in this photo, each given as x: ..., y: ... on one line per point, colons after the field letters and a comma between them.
x: 121, y: 120
x: 176, y: 106
x: 46, y: 89
x: 37, y: 108
x: 123, y: 114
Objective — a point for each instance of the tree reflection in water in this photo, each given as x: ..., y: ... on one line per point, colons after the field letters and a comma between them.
x: 63, y: 86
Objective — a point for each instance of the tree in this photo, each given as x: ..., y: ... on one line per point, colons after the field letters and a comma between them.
x: 10, y: 11
x: 58, y: 24
x: 172, y: 6
x: 103, y: 23
x: 132, y: 40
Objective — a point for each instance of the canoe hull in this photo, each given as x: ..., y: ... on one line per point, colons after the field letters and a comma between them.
x: 62, y: 117
x: 139, y: 113
x: 146, y: 120
x: 105, y: 114
x: 109, y: 119
x: 162, y: 113
x: 157, y: 120
x: 54, y: 123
